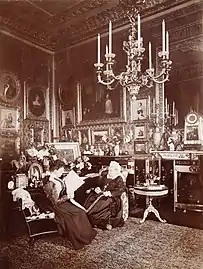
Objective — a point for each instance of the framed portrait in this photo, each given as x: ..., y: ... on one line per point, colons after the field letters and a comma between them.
x: 68, y: 118
x: 140, y: 147
x: 140, y: 132
x: 67, y: 151
x: 9, y: 87
x: 21, y: 181
x: 138, y: 109
x: 85, y: 137
x: 9, y: 120
x: 37, y: 135
x: 97, y: 136
x: 98, y: 104
x: 36, y: 102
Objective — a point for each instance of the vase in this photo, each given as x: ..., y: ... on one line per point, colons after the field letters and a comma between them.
x: 116, y: 150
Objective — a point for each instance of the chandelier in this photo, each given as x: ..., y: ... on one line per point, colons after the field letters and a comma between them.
x: 133, y: 78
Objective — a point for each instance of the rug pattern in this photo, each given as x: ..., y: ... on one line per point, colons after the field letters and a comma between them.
x: 151, y: 245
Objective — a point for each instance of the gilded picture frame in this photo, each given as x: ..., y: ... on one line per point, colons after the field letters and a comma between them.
x: 97, y: 104
x: 139, y: 109
x: 9, y: 87
x: 9, y: 120
x: 140, y: 147
x: 36, y: 100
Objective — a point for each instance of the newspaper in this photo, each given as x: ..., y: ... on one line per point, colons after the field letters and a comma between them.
x: 73, y: 181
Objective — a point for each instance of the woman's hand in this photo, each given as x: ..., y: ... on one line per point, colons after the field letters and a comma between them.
x: 107, y: 193
x: 97, y: 190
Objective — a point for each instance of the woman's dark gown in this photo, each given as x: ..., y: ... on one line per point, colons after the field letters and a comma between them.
x: 72, y: 222
x: 108, y: 210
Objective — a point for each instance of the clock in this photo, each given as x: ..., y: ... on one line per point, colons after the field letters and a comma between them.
x: 192, y: 118
x: 193, y: 130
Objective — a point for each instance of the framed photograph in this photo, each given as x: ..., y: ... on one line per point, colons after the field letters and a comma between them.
x: 37, y: 135
x: 9, y: 87
x: 138, y: 109
x: 140, y: 132
x: 21, y: 181
x: 97, y: 137
x: 9, y: 120
x: 67, y: 151
x: 36, y: 102
x: 68, y: 118
x: 140, y: 147
x: 85, y: 137
x: 118, y: 131
x: 98, y: 104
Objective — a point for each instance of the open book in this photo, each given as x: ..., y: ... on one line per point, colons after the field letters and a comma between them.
x: 73, y: 181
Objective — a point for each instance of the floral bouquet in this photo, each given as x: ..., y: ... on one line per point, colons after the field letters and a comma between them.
x: 81, y: 165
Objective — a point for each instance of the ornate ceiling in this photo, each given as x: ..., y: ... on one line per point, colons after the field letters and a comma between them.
x: 56, y: 24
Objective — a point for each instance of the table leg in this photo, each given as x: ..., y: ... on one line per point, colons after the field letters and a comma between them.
x: 152, y: 209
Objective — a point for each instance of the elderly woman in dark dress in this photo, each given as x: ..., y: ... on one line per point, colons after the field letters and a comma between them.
x: 104, y: 205
x: 72, y: 221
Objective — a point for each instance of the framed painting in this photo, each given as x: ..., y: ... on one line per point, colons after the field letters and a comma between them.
x: 36, y: 102
x: 37, y: 135
x: 85, y: 137
x: 140, y: 131
x: 98, y: 104
x: 9, y: 120
x: 68, y: 118
x: 67, y: 151
x: 138, y: 109
x: 9, y: 87
x: 140, y: 147
x: 98, y: 135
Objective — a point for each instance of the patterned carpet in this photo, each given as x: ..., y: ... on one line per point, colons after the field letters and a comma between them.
x: 151, y: 245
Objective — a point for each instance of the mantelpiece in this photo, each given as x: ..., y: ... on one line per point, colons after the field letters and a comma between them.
x: 187, y: 177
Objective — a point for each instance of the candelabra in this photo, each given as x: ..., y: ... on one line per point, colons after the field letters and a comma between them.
x: 133, y: 78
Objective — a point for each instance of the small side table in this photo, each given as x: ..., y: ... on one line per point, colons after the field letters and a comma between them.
x: 151, y: 192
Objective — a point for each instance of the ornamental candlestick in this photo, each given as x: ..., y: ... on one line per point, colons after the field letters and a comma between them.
x: 150, y: 55
x: 138, y: 31
x: 110, y: 37
x: 98, y: 50
x: 167, y: 45
x: 163, y: 36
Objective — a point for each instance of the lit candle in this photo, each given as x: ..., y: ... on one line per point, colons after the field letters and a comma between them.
x: 173, y: 108
x: 167, y: 45
x: 163, y: 36
x: 107, y: 67
x: 106, y: 49
x: 138, y: 30
x: 150, y: 55
x: 110, y: 37
x: 98, y: 49
x: 176, y: 116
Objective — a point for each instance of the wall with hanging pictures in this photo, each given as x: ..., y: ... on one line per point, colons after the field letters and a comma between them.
x: 91, y: 119
x: 24, y: 80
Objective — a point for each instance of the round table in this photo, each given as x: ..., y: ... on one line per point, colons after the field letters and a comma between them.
x: 151, y: 192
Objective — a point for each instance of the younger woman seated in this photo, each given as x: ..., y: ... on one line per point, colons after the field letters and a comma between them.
x: 71, y: 219
x: 104, y: 205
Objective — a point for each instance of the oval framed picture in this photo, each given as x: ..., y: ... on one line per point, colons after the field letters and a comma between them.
x: 9, y: 87
x: 36, y: 101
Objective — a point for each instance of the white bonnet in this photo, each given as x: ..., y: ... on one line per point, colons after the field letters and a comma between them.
x: 116, y: 165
